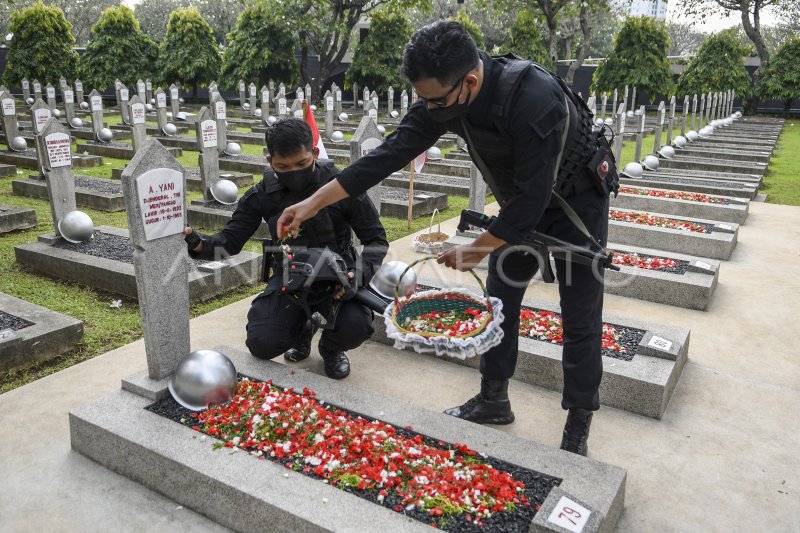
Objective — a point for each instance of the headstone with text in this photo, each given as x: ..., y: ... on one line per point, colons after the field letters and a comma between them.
x: 309, y: 96
x: 40, y: 113
x: 390, y: 101
x: 356, y: 97
x: 639, y: 135
x: 69, y: 103
x: 297, y: 108
x: 242, y: 93
x: 124, y: 98
x: 174, y: 100
x: 141, y: 90
x: 37, y: 90
x: 337, y: 93
x: 671, y: 121
x: 137, y: 113
x: 403, y: 104
x: 161, y: 109
x: 365, y: 99
x: 371, y: 110
x: 280, y: 104
x: 79, y: 92
x: 685, y: 114
x: 26, y: 89
x: 253, y: 99
x: 148, y: 91
x: 330, y: 108
x: 57, y: 163
x: 50, y: 93
x: 96, y: 108
x: 264, y: 104
x: 300, y: 94
x: 8, y: 109
x: 220, y: 110
x: 366, y: 139
x: 660, y: 114
x: 477, y: 189
x: 694, y: 111
x: 375, y: 101
x: 207, y: 145
x: 154, y: 188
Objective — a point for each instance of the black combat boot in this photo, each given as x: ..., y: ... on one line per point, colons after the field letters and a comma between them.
x: 576, y: 431
x: 337, y: 366
x: 302, y: 349
x: 490, y: 406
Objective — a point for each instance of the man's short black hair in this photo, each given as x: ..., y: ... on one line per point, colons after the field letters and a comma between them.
x: 443, y: 50
x: 288, y: 136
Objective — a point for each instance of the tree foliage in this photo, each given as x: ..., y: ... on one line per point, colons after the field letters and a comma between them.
x: 189, y: 52
x: 474, y: 30
x: 118, y: 50
x: 781, y: 78
x: 261, y: 48
x: 221, y: 15
x: 42, y: 46
x: 153, y: 16
x: 526, y: 39
x: 717, y: 66
x: 639, y: 59
x: 378, y: 60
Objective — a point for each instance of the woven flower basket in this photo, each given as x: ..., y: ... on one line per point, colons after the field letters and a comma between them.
x: 411, y: 321
x: 433, y: 242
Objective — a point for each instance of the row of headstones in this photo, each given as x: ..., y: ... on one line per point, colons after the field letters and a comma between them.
x: 713, y: 106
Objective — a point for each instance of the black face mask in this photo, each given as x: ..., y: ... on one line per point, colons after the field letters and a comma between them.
x: 297, y: 180
x: 451, y: 112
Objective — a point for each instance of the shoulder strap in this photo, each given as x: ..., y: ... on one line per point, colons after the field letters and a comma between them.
x: 506, y: 87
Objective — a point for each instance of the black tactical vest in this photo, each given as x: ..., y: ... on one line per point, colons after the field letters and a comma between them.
x: 495, y: 146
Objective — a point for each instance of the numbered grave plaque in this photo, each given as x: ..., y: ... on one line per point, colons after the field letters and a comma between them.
x: 42, y: 116
x: 97, y: 103
x: 138, y: 113
x: 660, y: 343
x: 9, y: 107
x: 161, y: 100
x: 58, y: 149
x: 209, y: 131
x: 160, y: 194
x: 570, y: 515
x: 69, y: 96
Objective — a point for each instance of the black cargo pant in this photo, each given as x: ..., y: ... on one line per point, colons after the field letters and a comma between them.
x: 275, y: 323
x: 581, y: 293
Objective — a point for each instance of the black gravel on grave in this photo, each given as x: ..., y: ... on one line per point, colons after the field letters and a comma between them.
x: 213, y: 204
x: 114, y: 144
x: 537, y: 485
x: 107, y: 246
x: 680, y: 268
x: 436, y: 178
x: 8, y: 321
x: 630, y: 337
x: 247, y: 157
x: 689, y: 181
x: 87, y: 182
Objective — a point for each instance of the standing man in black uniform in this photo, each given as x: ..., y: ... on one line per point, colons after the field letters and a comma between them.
x: 275, y: 324
x: 530, y: 136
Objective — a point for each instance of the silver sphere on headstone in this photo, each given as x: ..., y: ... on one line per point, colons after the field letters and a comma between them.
x: 170, y: 129
x: 57, y: 113
x: 76, y: 122
x: 18, y: 144
x: 705, y: 132
x: 152, y: 101
x: 246, y: 105
x: 727, y: 121
x: 632, y: 113
x: 271, y: 120
x: 361, y: 103
x: 651, y: 162
x: 181, y: 116
x: 599, y: 122
x: 381, y: 130
x: 692, y: 136
x: 609, y: 121
x: 394, y: 113
x: 337, y: 136
x: 633, y: 170
x: 180, y: 100
x: 343, y: 117
x: 313, y: 109
x: 434, y: 153
x: 258, y: 112
x: 76, y: 226
x: 84, y: 105
x: 148, y: 108
x: 638, y: 112
x: 233, y: 149
x: 105, y: 135
x: 203, y: 378
x: 225, y: 192
x: 738, y: 114
x: 667, y: 152
x: 385, y: 280
x: 679, y: 141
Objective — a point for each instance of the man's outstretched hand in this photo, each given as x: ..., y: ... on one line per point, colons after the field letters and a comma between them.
x: 294, y: 215
x: 467, y: 256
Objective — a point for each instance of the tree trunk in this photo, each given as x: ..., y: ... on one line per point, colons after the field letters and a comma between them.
x: 568, y: 47
x: 304, y: 73
x: 753, y: 32
x: 552, y: 42
x: 583, y: 51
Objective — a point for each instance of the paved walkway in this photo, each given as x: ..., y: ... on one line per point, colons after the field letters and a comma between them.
x: 724, y: 458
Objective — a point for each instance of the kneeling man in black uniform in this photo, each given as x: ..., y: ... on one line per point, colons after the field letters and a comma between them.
x: 276, y: 324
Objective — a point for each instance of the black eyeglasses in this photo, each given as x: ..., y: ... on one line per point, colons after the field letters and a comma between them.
x: 442, y: 102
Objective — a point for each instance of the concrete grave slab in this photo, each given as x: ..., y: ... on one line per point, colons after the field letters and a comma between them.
x: 117, y: 432
x: 52, y: 257
x: 96, y: 193
x: 27, y: 159
x: 16, y: 218
x: 37, y: 333
x: 639, y: 198
x: 117, y: 150
x: 642, y: 385
x: 692, y: 184
x: 394, y: 202
x: 714, y: 165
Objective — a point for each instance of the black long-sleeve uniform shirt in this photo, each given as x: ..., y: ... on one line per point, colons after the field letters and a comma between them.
x: 266, y: 201
x: 536, y: 128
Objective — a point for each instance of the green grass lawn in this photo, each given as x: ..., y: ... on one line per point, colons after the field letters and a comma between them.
x: 782, y: 182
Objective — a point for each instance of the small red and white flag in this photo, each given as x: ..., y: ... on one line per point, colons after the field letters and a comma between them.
x: 312, y: 123
x: 420, y: 161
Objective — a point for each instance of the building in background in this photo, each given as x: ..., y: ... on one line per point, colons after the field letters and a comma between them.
x: 651, y: 8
